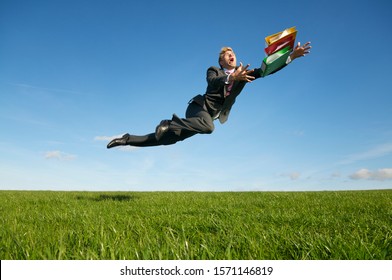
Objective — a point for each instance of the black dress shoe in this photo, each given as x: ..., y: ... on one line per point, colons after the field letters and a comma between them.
x: 161, y: 129
x: 118, y: 141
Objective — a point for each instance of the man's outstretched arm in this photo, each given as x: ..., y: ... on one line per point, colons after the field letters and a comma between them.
x: 299, y: 51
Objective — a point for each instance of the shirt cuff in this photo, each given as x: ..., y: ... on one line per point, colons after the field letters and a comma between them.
x: 288, y: 60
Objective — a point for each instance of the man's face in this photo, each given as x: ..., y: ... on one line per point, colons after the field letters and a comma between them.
x: 229, y: 61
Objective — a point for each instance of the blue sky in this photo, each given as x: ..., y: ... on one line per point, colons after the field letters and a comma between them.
x: 73, y: 74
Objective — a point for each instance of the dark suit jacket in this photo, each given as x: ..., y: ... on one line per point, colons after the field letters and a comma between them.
x: 214, y: 99
x: 216, y: 89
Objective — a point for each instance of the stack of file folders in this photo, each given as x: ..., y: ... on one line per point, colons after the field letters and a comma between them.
x: 279, y: 47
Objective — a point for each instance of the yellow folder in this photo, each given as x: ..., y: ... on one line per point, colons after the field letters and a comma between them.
x: 277, y: 36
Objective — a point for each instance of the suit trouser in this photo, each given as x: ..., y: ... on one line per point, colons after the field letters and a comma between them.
x: 197, y: 120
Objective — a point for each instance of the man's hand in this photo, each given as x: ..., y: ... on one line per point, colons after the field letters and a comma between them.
x: 300, y: 51
x: 242, y: 74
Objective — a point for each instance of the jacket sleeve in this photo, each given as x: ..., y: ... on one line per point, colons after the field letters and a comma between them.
x: 215, y: 79
x: 256, y: 73
x: 260, y: 71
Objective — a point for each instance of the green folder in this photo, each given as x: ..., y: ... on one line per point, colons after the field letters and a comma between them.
x: 275, y: 61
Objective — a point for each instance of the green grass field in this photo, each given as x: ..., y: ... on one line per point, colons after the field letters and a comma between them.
x: 196, y: 225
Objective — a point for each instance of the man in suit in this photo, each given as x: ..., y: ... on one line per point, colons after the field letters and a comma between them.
x: 224, y: 85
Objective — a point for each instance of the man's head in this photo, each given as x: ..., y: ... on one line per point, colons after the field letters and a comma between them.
x: 227, y: 58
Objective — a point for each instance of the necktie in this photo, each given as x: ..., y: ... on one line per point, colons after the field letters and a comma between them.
x: 228, y: 87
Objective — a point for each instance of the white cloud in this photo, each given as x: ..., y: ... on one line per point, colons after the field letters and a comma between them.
x: 106, y: 138
x: 299, y: 133
x: 379, y: 151
x: 336, y: 175
x: 292, y: 175
x: 379, y: 175
x: 59, y: 155
x: 295, y: 175
x: 128, y: 148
